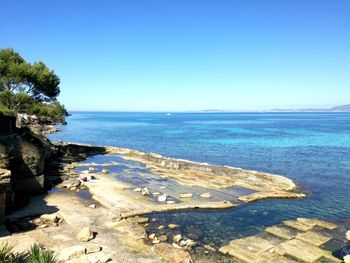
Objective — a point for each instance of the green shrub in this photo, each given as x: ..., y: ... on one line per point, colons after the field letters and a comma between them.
x: 8, y: 256
x: 37, y: 255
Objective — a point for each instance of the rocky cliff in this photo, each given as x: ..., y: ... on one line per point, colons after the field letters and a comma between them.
x: 24, y: 159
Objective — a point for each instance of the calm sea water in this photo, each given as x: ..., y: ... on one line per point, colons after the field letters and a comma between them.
x: 313, y: 149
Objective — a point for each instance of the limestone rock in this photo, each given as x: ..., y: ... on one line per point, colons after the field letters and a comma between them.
x: 171, y: 254
x: 163, y: 238
x: 105, y: 171
x: 177, y: 238
x: 152, y: 236
x: 172, y: 226
x: 86, y: 234
x: 71, y: 182
x: 206, y: 195
x: 99, y: 257
x: 93, y: 248
x: 50, y: 219
x: 145, y: 191
x: 185, y: 195
x: 71, y: 252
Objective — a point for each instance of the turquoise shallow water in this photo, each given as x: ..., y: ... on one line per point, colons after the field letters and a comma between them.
x: 313, y: 149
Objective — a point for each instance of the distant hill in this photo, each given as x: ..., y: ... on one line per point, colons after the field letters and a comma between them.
x: 341, y: 108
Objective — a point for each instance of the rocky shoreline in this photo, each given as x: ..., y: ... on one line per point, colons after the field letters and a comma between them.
x: 108, y: 223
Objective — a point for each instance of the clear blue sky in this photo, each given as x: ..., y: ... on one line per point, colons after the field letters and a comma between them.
x: 172, y: 55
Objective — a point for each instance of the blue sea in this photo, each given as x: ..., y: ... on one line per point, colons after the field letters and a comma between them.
x: 313, y: 149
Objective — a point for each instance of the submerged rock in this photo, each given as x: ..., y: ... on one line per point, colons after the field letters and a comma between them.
x: 172, y: 226
x: 186, y: 195
x: 206, y: 195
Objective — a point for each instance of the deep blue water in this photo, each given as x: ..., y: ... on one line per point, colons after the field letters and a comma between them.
x: 313, y: 149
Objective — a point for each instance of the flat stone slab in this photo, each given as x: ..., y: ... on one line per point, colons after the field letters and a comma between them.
x: 304, y: 251
x: 298, y: 225
x: 317, y: 222
x: 281, y: 232
x: 313, y: 238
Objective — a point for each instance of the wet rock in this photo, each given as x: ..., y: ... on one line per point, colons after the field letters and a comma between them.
x: 71, y: 252
x: 210, y: 248
x: 172, y: 226
x: 163, y: 238
x: 186, y: 195
x: 206, y: 195
x: 177, y: 238
x: 188, y: 243
x: 86, y: 234
x: 145, y: 191
x: 105, y: 171
x: 171, y: 254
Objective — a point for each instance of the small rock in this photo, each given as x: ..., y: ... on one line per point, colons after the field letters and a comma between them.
x: 138, y: 189
x: 188, y: 243
x: 92, y: 206
x: 176, y: 246
x: 172, y: 226
x: 163, y: 238
x: 152, y: 236
x: 99, y: 257
x: 210, y: 248
x: 206, y: 195
x: 177, y: 238
x: 348, y: 235
x: 92, y: 169
x: 186, y: 195
x: 105, y: 171
x: 347, y: 259
x: 141, y: 220
x: 272, y: 250
x: 50, y: 219
x: 145, y: 192
x: 71, y: 252
x: 85, y: 234
x: 170, y: 202
x: 154, y: 219
x: 93, y: 248
x: 162, y: 198
x: 172, y: 254
x: 161, y: 227
x: 155, y: 241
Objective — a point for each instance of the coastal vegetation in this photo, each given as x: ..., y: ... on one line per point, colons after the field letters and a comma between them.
x: 30, y: 88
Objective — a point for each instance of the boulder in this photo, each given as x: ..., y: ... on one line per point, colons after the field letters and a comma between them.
x: 171, y: 254
x: 86, y: 234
